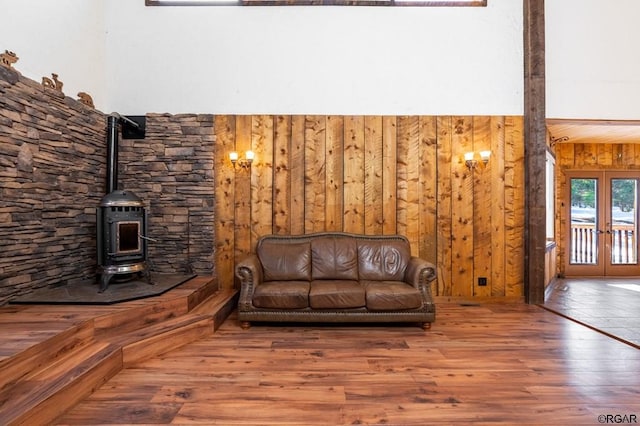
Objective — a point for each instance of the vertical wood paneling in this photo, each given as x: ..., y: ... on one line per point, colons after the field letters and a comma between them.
x: 243, y: 189
x: 514, y: 199
x: 497, y: 207
x: 482, y: 201
x: 565, y: 158
x: 314, y: 174
x: 445, y: 225
x: 590, y: 154
x: 297, y: 167
x: 373, y: 215
x: 225, y: 128
x: 402, y: 186
x: 565, y: 155
x: 413, y: 186
x: 636, y: 158
x: 462, y: 207
x: 389, y: 175
x: 427, y: 193
x: 618, y: 155
x: 382, y: 175
x: 335, y: 168
x: 409, y: 179
x: 578, y: 151
x: 282, y: 175
x: 604, y: 155
x: 354, y: 174
x: 510, y: 190
x: 262, y: 179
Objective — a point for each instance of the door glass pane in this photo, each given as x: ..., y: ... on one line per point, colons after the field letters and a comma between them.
x: 624, y: 225
x: 584, y: 235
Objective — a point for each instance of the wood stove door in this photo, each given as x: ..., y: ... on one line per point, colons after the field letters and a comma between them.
x: 128, y: 239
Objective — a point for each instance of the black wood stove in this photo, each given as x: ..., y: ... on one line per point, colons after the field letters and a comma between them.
x: 121, y: 220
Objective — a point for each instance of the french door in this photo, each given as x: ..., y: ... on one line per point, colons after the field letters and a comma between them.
x: 602, y: 228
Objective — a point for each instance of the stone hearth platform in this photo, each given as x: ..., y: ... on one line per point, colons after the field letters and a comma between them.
x: 86, y: 293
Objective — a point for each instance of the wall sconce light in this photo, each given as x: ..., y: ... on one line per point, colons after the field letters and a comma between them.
x: 245, y: 162
x: 472, y: 163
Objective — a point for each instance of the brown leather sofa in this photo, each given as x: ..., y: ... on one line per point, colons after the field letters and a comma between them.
x: 335, y: 277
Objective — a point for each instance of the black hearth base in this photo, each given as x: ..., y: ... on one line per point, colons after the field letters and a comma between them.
x: 86, y: 293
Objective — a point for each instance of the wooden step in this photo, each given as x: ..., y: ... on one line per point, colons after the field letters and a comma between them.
x: 43, y: 381
x: 157, y: 339
x: 138, y: 314
x: 44, y: 352
x: 45, y: 395
x: 220, y: 305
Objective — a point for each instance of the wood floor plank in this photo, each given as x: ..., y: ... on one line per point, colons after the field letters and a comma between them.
x: 127, y: 414
x: 262, y: 413
x: 220, y: 395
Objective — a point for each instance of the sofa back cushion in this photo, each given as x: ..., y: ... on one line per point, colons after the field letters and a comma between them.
x: 334, y: 257
x: 383, y: 260
x: 284, y: 260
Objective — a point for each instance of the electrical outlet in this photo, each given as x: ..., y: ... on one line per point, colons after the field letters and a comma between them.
x: 482, y: 281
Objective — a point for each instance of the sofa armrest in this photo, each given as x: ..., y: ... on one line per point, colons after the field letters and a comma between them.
x: 249, y: 272
x: 420, y: 274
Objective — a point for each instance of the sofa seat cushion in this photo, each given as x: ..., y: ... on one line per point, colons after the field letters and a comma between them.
x: 282, y: 295
x: 391, y: 296
x: 330, y: 294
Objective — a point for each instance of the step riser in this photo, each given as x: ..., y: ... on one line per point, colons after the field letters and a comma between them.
x: 165, y: 342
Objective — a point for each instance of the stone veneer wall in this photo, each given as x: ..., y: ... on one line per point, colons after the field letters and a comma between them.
x: 172, y: 171
x: 52, y: 177
x: 52, y: 168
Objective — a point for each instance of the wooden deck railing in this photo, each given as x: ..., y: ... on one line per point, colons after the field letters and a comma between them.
x: 584, y: 244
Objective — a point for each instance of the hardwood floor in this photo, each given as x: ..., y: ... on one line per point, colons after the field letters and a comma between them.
x: 610, y: 305
x: 487, y: 364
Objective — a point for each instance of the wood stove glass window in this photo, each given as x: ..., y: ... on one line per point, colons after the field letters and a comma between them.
x: 128, y: 237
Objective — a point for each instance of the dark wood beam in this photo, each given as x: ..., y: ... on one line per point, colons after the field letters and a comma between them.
x: 535, y: 150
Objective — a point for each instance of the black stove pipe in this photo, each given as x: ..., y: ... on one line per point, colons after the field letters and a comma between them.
x: 112, y: 153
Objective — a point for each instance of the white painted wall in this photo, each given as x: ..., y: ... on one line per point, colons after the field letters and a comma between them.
x: 329, y: 60
x: 593, y: 59
x: 333, y: 60
x: 307, y: 60
x: 65, y: 37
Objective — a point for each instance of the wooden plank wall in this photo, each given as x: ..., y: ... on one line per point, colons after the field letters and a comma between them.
x: 380, y: 175
x: 586, y: 156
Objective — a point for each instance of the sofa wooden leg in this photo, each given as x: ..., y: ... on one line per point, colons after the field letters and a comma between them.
x: 426, y: 326
x: 245, y: 325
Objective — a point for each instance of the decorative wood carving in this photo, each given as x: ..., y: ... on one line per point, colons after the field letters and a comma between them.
x: 553, y: 140
x: 86, y: 99
x: 53, y: 82
x: 8, y: 58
